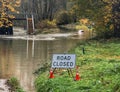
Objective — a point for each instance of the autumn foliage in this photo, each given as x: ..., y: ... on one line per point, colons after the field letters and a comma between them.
x: 103, y: 13
x: 6, y: 7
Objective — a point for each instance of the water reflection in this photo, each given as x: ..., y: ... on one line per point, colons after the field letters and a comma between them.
x: 20, y: 58
x: 6, y: 64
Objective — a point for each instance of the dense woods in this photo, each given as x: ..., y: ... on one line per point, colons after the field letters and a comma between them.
x: 5, y: 11
x: 6, y: 7
x: 42, y: 9
x: 103, y: 15
x: 116, y: 17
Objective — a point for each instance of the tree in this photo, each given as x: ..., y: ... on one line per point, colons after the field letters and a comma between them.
x: 43, y: 9
x: 100, y: 12
x: 116, y: 17
x: 7, y: 6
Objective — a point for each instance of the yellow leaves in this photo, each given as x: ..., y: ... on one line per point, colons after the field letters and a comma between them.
x: 3, y: 14
x: 5, y: 22
x: 11, y: 8
x: 18, y: 3
x: 71, y: 11
x: 111, y: 26
x: 1, y: 24
x: 107, y: 18
x: 8, y: 6
x: 75, y: 7
x: 53, y: 22
x: 84, y: 21
x: 11, y: 16
x: 108, y: 8
x: 81, y: 27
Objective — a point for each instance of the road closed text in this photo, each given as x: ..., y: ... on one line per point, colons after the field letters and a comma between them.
x: 63, y: 61
x: 60, y: 64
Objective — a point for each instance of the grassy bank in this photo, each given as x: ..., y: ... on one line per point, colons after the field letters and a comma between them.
x: 14, y: 85
x: 58, y: 29
x: 99, y: 69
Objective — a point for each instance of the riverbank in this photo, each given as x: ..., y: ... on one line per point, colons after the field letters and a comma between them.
x: 99, y: 69
x: 10, y: 85
x: 3, y: 85
x: 58, y: 29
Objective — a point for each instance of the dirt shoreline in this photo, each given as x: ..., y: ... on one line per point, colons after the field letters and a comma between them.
x: 3, y: 85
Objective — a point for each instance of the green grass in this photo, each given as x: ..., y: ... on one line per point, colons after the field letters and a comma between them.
x: 14, y: 85
x: 99, y: 69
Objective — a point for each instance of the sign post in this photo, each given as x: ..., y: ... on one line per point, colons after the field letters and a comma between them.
x: 65, y: 61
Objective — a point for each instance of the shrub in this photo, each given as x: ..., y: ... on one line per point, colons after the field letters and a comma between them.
x: 59, y: 84
x: 63, y: 17
x: 82, y: 27
x: 14, y: 85
x: 46, y: 24
x: 104, y: 33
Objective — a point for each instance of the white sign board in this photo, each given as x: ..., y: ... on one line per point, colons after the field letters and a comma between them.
x: 63, y: 60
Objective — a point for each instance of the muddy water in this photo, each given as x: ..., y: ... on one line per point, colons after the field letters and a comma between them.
x: 21, y: 57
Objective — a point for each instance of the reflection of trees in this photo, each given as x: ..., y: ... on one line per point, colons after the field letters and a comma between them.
x: 6, y: 59
x: 24, y: 65
x: 13, y: 60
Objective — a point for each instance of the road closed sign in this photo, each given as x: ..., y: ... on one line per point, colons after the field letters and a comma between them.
x: 63, y: 60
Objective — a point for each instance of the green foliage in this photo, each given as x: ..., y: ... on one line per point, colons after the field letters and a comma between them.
x: 99, y: 69
x: 46, y: 24
x: 42, y: 69
x: 101, y: 33
x: 63, y: 17
x: 43, y: 84
x: 14, y: 85
x: 82, y: 27
x: 100, y: 12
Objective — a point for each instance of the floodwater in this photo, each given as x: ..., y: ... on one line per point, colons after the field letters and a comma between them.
x: 21, y: 55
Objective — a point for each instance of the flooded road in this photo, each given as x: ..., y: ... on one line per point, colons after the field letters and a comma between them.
x: 21, y: 55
